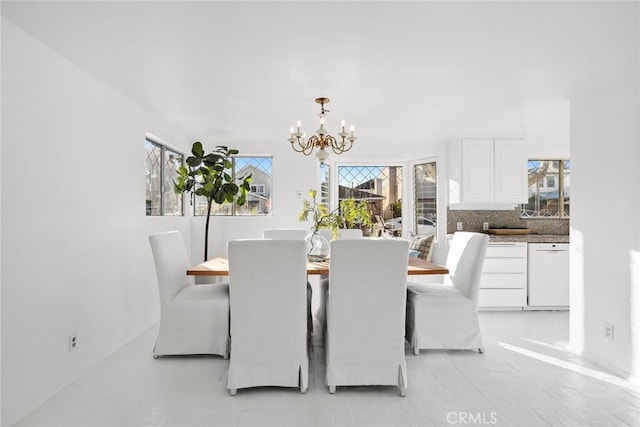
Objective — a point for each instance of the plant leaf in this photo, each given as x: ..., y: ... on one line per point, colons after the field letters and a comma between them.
x: 197, y: 149
x: 193, y: 161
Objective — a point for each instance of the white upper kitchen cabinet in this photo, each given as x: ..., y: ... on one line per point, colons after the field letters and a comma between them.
x: 488, y: 173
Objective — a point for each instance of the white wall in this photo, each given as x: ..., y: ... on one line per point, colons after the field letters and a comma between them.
x: 605, y: 231
x: 1, y: 23
x: 75, y: 254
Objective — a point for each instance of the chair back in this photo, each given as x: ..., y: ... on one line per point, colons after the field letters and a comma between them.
x: 268, y: 310
x: 343, y: 233
x: 464, y: 262
x: 366, y: 299
x: 350, y: 233
x: 285, y: 233
x: 170, y: 257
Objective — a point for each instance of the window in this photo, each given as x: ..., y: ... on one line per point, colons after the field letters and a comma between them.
x: 549, y: 189
x: 551, y: 181
x: 162, y: 166
x: 380, y: 187
x: 258, y: 189
x: 425, y: 187
x: 325, y: 185
x: 259, y: 197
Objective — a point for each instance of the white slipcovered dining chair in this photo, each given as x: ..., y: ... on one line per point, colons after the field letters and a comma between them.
x: 366, y: 313
x: 343, y: 233
x: 285, y: 233
x: 194, y: 319
x: 445, y: 316
x: 294, y: 234
x: 268, y: 314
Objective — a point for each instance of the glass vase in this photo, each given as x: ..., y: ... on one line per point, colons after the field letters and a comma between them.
x: 317, y: 247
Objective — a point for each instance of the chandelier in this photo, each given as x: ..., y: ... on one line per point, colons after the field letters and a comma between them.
x: 302, y: 144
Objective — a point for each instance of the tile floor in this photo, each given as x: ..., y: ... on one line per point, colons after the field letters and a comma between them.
x: 524, y: 378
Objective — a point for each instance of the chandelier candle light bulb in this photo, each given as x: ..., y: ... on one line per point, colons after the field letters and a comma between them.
x: 323, y: 139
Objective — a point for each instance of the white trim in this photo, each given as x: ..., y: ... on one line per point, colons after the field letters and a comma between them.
x: 151, y: 137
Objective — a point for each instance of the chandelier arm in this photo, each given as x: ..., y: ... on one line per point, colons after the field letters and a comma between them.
x: 301, y: 147
x: 348, y: 147
x: 338, y: 148
x: 295, y: 146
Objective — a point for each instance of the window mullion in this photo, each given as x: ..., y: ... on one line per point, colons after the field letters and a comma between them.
x: 561, y: 188
x: 162, y: 177
x: 233, y: 176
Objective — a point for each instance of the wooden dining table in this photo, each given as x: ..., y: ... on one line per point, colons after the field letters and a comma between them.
x: 220, y: 267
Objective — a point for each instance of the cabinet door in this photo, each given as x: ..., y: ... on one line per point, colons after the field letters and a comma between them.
x: 477, y: 170
x: 510, y: 171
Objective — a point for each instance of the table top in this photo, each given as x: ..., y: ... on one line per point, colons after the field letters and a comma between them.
x: 220, y: 267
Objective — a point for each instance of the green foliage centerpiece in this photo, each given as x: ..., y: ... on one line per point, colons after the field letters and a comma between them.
x: 317, y: 244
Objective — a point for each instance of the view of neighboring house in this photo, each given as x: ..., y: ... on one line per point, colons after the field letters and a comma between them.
x: 549, y: 181
x: 259, y: 199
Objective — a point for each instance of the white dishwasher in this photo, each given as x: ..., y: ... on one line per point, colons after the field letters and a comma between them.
x: 548, y: 271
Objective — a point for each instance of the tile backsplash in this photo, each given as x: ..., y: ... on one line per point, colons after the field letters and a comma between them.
x: 472, y: 221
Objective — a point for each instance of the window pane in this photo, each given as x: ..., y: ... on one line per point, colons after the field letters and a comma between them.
x: 172, y: 202
x: 548, y: 189
x: 201, y: 207
x: 566, y: 185
x: 325, y: 185
x: 259, y: 199
x: 200, y: 203
x: 154, y: 179
x: 380, y: 186
x: 425, y: 198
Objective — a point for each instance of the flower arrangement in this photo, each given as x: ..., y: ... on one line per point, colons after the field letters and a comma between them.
x: 320, y: 214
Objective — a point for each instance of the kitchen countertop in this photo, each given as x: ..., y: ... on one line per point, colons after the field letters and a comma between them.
x: 530, y: 238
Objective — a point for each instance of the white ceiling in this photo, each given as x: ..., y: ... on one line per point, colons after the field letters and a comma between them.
x: 402, y: 72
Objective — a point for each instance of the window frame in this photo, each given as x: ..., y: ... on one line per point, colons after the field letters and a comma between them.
x: 412, y: 165
x: 559, y: 182
x: 164, y: 147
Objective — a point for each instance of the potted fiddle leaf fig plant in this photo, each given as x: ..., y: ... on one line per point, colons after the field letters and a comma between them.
x: 208, y: 175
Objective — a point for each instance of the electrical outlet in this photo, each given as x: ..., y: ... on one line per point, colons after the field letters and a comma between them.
x: 485, y: 226
x: 459, y: 226
x: 73, y: 342
x: 608, y: 331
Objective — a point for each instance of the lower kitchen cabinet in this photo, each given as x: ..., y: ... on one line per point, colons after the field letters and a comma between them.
x: 503, y: 283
